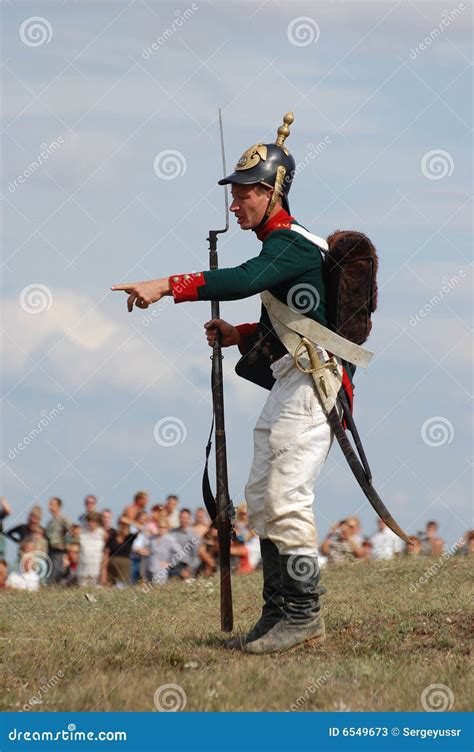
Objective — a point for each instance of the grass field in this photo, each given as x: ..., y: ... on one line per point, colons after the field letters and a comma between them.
x: 390, y: 636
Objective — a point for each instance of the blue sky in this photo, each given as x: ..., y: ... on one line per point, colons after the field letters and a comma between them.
x: 385, y: 86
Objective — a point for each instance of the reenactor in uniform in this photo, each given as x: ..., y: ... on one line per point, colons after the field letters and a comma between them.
x: 292, y: 436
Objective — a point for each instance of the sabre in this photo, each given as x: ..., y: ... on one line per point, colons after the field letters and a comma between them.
x: 220, y: 507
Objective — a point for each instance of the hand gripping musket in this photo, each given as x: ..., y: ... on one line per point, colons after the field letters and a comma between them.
x: 219, y: 507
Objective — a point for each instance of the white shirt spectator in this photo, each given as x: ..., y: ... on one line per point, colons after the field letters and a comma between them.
x: 385, y: 544
x: 91, y: 554
x: 23, y: 581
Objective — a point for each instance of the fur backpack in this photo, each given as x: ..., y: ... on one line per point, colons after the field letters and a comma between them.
x: 351, y: 285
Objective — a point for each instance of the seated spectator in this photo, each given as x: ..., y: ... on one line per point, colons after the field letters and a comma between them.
x: 353, y: 524
x: 117, y: 555
x: 171, y: 510
x: 129, y: 514
x: 5, y: 510
x: 56, y: 531
x: 21, y: 532
x: 187, y: 543
x: 3, y: 573
x: 367, y: 548
x: 92, y: 543
x: 241, y: 524
x: 27, y: 578
x: 163, y: 551
x: 201, y: 522
x: 70, y: 563
x: 209, y: 552
x: 467, y: 546
x: 413, y: 548
x: 90, y: 504
x: 342, y: 544
x: 431, y: 543
x: 385, y: 544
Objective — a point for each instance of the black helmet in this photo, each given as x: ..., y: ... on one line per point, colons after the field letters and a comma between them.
x: 269, y: 164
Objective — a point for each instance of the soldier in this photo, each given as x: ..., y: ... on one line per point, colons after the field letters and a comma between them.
x: 292, y: 436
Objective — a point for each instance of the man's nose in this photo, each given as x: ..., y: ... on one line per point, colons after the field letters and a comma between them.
x: 234, y: 206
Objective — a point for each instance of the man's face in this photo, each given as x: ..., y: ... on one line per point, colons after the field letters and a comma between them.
x: 249, y: 205
x: 90, y: 503
x: 53, y: 506
x: 142, y: 501
x: 184, y: 519
x: 107, y: 519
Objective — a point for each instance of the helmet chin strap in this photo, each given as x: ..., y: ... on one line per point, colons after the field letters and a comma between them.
x: 276, y: 194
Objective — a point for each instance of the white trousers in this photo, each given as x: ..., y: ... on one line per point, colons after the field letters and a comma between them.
x: 292, y: 439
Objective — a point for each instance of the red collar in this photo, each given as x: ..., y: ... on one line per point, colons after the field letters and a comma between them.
x: 280, y: 221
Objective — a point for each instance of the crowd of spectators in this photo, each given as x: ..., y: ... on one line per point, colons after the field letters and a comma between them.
x: 150, y: 545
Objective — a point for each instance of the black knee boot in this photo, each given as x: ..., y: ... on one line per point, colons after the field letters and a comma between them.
x: 272, y: 597
x: 302, y: 620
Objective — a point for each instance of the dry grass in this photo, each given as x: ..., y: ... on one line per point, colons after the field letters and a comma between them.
x: 385, y: 644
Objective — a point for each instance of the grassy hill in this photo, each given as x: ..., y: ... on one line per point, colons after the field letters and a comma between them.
x: 393, y: 631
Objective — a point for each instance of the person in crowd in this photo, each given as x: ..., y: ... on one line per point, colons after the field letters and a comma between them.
x: 56, y: 531
x: 367, y: 548
x: 27, y: 578
x: 138, y: 566
x: 413, y: 548
x: 187, y: 543
x: 201, y: 522
x: 129, y: 514
x: 70, y: 564
x: 5, y: 511
x: 163, y: 552
x: 141, y: 549
x: 92, y: 543
x: 3, y: 573
x: 385, y: 544
x: 171, y: 510
x: 90, y: 505
x: 209, y: 552
x: 73, y: 535
x: 353, y: 524
x: 106, y: 522
x: 21, y: 532
x: 117, y: 555
x: 431, y: 543
x: 342, y: 544
x: 467, y: 547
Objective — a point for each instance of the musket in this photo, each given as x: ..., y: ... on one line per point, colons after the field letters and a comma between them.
x: 220, y: 508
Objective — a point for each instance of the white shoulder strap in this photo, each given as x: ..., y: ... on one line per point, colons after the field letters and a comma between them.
x: 312, y: 238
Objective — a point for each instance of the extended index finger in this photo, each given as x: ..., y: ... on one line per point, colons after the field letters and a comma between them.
x: 126, y: 288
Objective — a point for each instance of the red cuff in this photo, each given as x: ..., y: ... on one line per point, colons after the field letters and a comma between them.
x: 245, y: 330
x: 184, y: 287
